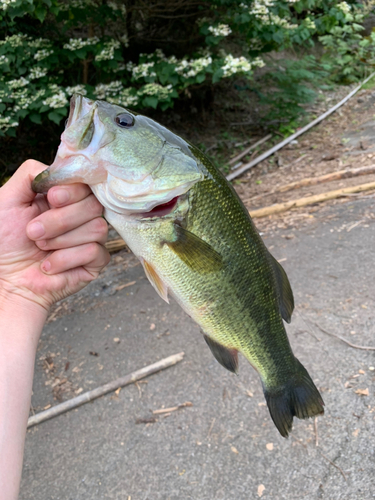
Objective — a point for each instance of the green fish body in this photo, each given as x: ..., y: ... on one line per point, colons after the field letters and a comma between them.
x: 195, y: 239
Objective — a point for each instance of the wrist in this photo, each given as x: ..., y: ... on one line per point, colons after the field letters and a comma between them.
x: 16, y: 310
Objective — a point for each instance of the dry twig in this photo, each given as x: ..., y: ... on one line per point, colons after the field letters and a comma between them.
x: 173, y: 408
x: 286, y: 141
x: 104, y: 389
x: 238, y: 157
x: 115, y: 245
x: 364, y: 348
x: 310, y: 200
x: 335, y: 465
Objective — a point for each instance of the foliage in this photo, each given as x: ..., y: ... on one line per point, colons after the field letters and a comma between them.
x: 149, y: 54
x: 349, y: 53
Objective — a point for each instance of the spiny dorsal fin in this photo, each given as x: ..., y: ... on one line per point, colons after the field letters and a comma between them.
x: 226, y: 357
x: 286, y: 300
x: 155, y: 280
x: 194, y: 252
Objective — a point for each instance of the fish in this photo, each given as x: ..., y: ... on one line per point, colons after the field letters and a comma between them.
x: 195, y: 239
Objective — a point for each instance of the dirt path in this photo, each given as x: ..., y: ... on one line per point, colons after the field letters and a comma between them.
x: 346, y: 140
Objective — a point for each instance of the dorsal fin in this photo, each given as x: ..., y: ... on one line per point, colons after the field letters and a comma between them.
x: 226, y: 357
x: 194, y: 252
x: 286, y: 300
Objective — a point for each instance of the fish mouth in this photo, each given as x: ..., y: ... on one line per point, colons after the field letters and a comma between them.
x: 160, y: 210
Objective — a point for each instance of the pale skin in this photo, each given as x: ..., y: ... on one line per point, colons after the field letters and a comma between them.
x: 37, y: 270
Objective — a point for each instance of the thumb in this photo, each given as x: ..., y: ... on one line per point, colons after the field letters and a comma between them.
x: 19, y: 185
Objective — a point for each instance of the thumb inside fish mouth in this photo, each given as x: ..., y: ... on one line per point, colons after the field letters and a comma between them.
x: 39, y: 183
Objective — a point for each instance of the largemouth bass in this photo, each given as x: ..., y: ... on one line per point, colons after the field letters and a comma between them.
x: 195, y: 240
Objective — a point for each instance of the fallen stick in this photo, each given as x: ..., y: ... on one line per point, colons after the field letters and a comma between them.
x: 363, y: 348
x: 173, y: 408
x: 104, y: 389
x: 233, y: 160
x: 310, y: 200
x: 115, y: 245
x: 286, y: 141
x: 332, y: 176
x: 335, y: 465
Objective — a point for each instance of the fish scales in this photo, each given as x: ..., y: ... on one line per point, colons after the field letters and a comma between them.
x: 195, y: 240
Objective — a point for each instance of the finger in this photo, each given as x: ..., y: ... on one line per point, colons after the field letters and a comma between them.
x: 96, y: 230
x: 58, y: 221
x: 19, y: 185
x: 59, y: 196
x: 91, y: 256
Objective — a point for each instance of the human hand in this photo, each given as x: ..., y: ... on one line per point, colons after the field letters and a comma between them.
x: 67, y: 253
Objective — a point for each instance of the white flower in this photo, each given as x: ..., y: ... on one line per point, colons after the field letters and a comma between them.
x: 233, y: 65
x: 4, y: 60
x: 37, y: 72
x: 39, y: 43
x: 156, y: 89
x: 124, y: 98
x: 220, y: 30
x: 78, y: 43
x: 103, y: 90
x: 14, y: 40
x: 76, y: 89
x: 42, y: 54
x: 108, y: 51
x: 57, y: 99
x: 6, y: 123
x: 142, y: 70
x: 309, y: 23
x: 5, y: 4
x: 16, y: 84
x: 344, y: 7
x: 77, y: 4
x: 115, y: 6
x: 193, y: 67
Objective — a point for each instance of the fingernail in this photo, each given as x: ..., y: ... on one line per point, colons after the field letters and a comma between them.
x: 46, y: 266
x: 42, y: 243
x: 62, y: 196
x: 35, y: 230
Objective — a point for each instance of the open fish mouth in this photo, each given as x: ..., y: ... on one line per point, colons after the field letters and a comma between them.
x: 136, y: 169
x: 162, y: 209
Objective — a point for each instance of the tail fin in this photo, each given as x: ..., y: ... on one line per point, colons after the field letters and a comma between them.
x: 298, y: 397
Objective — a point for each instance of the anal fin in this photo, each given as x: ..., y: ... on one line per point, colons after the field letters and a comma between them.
x: 155, y: 280
x: 226, y: 357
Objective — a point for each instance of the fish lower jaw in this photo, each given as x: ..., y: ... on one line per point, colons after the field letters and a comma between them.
x: 133, y: 208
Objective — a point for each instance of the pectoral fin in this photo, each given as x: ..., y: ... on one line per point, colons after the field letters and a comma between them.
x: 194, y: 252
x: 286, y: 300
x: 226, y: 357
x: 155, y: 280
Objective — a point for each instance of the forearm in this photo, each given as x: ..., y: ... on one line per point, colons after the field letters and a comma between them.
x: 21, y: 324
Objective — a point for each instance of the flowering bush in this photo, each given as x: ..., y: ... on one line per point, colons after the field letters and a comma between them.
x: 147, y: 55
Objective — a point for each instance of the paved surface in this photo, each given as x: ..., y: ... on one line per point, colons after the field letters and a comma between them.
x: 225, y: 446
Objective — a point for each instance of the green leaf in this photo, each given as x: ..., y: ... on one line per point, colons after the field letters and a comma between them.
x: 151, y: 101
x: 40, y: 12
x: 200, y: 77
x: 219, y: 73
x: 55, y: 117
x: 36, y: 118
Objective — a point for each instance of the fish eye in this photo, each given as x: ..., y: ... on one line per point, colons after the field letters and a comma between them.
x: 124, y: 120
